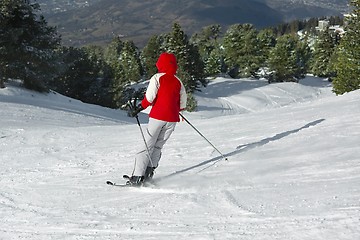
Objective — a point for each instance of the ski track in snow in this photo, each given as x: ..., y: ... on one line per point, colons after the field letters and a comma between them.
x: 293, y: 170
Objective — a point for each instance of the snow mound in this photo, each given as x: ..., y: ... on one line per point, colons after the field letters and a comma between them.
x: 225, y: 96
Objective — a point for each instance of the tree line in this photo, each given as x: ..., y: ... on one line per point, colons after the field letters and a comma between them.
x: 31, y: 50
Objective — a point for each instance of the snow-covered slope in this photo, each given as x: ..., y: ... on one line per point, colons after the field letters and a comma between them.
x: 233, y: 96
x: 293, y: 170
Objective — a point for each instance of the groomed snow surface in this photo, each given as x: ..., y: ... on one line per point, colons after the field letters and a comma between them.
x: 293, y: 169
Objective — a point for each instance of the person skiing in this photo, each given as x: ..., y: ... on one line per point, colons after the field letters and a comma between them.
x: 167, y: 96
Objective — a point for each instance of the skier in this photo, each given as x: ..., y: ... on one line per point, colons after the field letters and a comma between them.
x: 167, y: 96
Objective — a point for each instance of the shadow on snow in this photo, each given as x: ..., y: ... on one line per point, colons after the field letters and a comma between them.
x: 244, y: 148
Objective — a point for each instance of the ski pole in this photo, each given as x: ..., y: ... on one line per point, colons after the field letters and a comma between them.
x: 222, y: 155
x: 128, y: 104
x: 147, y: 147
x: 143, y: 137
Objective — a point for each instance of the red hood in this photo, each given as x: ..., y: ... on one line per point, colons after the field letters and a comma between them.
x: 167, y: 63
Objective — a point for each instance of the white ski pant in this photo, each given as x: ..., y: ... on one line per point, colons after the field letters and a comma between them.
x: 156, y: 135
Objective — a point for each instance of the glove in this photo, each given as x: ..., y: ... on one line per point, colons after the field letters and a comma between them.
x: 134, y: 110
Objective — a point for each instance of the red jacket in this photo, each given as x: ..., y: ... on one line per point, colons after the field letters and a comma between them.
x: 165, y: 93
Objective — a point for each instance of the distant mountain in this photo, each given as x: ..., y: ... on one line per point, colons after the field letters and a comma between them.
x: 55, y: 6
x: 301, y: 9
x: 98, y: 21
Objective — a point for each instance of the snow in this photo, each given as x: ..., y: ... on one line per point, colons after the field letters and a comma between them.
x: 293, y: 169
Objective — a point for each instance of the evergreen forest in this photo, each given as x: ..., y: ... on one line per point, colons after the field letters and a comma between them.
x: 31, y: 51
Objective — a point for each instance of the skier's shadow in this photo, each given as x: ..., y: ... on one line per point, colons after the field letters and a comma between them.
x: 245, y: 148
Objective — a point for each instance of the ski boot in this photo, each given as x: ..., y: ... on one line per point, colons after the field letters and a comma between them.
x: 149, y: 173
x: 135, y: 181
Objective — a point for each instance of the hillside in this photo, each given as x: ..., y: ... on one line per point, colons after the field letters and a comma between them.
x: 98, y: 21
x: 293, y: 170
x: 310, y: 8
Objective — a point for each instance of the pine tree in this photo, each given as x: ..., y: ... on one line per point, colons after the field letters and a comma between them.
x: 78, y: 76
x: 177, y: 42
x: 232, y: 45
x: 250, y: 54
x: 323, y: 49
x: 130, y: 63
x: 282, y: 61
x: 112, y: 56
x: 303, y: 56
x: 150, y: 54
x: 209, y: 49
x: 98, y: 91
x: 190, y: 65
x: 28, y: 45
x: 206, y: 40
x: 266, y: 40
x: 347, y: 65
x: 124, y: 61
x: 118, y: 81
x: 242, y: 50
x: 215, y: 62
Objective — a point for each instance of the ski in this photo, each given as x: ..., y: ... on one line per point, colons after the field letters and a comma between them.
x: 111, y: 183
x: 117, y: 184
x: 144, y: 184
